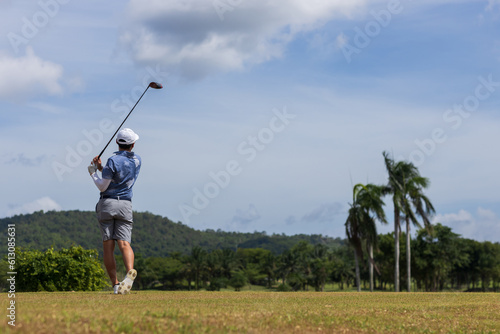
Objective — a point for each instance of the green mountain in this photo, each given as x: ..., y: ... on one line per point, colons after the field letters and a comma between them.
x: 153, y: 235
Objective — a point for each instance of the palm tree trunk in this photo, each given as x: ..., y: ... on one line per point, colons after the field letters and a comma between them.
x: 408, y: 254
x: 396, y: 250
x: 371, y: 267
x: 358, y: 276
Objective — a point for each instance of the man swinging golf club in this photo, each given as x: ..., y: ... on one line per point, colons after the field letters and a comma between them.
x: 114, y: 209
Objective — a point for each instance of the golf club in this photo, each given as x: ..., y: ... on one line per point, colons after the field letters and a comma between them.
x: 153, y: 85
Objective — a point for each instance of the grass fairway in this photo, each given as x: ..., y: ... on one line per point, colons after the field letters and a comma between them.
x: 254, y: 312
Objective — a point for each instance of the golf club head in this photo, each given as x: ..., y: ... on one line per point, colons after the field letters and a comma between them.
x: 155, y: 85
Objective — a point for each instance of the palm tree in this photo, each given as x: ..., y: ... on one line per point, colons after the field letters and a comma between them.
x: 416, y: 200
x: 228, y: 262
x: 406, y: 186
x: 395, y: 188
x: 269, y: 268
x: 197, y: 264
x: 360, y: 224
x: 288, y: 264
x: 213, y: 265
x: 319, y: 266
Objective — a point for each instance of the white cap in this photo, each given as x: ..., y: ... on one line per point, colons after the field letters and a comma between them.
x: 126, y: 136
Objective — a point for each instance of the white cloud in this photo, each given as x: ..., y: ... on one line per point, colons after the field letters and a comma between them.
x: 341, y: 40
x: 28, y: 76
x: 197, y: 38
x: 486, y: 214
x: 22, y: 160
x: 484, y: 225
x: 290, y: 220
x: 48, y: 108
x: 246, y: 217
x: 44, y: 204
x: 324, y: 213
x: 192, y: 38
x: 492, y: 4
x: 462, y: 216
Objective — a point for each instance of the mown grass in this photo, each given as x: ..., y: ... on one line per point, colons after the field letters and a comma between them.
x: 254, y: 312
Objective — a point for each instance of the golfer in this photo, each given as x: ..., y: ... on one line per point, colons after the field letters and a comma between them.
x: 114, y: 209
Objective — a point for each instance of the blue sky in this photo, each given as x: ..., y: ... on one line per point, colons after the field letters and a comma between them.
x: 271, y: 111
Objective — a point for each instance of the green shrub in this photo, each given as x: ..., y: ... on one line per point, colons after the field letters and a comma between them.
x: 238, y: 281
x: 217, y: 283
x: 73, y: 269
x: 284, y: 288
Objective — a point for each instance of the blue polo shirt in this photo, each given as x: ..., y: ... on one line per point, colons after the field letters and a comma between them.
x: 122, y: 168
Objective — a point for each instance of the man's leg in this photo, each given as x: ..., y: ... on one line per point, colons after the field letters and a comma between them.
x: 128, y: 261
x: 109, y: 260
x: 107, y: 225
x: 127, y: 254
x: 123, y: 236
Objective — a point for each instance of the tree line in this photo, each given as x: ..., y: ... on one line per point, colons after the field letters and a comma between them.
x: 440, y: 261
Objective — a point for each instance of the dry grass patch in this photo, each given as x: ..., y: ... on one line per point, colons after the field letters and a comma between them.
x: 255, y: 312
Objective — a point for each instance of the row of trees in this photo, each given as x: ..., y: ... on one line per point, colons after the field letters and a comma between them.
x: 303, y: 266
x: 441, y: 260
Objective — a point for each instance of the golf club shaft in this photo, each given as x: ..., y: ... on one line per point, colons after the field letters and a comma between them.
x: 121, y: 124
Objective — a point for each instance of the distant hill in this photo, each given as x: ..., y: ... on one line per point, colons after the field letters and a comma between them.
x: 153, y: 235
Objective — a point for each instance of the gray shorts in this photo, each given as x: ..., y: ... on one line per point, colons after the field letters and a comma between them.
x: 115, y: 219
